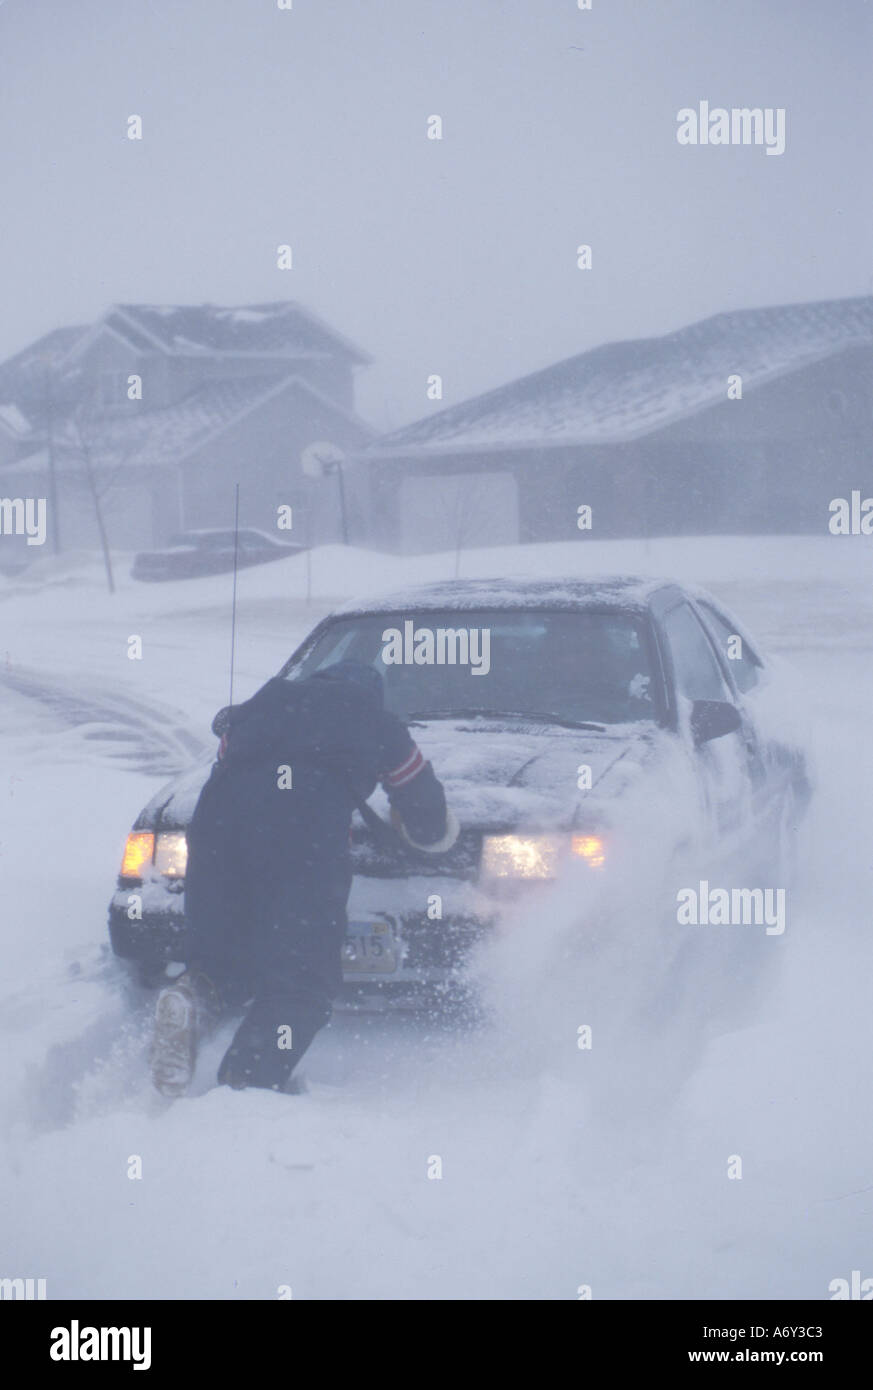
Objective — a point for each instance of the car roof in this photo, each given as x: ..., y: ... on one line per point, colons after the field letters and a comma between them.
x: 220, y: 532
x: 628, y: 592
x: 208, y: 531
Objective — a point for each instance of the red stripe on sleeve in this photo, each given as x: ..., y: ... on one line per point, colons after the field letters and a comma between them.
x: 407, y: 770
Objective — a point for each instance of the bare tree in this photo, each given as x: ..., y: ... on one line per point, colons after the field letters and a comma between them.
x: 464, y: 513
x: 84, y: 447
x: 81, y: 439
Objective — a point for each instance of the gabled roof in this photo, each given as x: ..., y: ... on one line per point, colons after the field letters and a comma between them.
x: 153, y: 438
x: 278, y: 336
x: 626, y: 389
x: 279, y: 330
x: 24, y: 376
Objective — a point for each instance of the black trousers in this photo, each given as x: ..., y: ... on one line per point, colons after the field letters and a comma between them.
x: 285, y: 1010
x: 285, y: 983
x: 265, y: 908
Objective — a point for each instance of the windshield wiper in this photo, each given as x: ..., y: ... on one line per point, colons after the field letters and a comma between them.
x: 535, y: 715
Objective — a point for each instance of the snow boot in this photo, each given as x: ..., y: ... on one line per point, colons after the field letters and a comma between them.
x: 182, y: 1010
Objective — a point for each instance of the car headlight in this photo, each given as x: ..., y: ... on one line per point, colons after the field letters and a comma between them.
x: 168, y: 851
x: 591, y: 848
x: 171, y: 853
x: 138, y: 853
x: 537, y: 856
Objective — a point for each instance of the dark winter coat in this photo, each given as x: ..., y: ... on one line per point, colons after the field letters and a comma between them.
x: 263, y: 856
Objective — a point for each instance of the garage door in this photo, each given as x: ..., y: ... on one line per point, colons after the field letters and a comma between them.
x: 451, y: 510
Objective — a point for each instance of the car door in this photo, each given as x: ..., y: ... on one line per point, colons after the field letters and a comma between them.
x: 723, y: 765
x: 770, y: 761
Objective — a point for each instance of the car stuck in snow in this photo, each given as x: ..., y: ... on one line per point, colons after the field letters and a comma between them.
x: 545, y: 706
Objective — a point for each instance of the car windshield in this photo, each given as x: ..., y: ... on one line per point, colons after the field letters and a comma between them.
x: 569, y: 667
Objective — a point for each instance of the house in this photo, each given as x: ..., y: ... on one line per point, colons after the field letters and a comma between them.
x: 161, y: 410
x: 749, y: 421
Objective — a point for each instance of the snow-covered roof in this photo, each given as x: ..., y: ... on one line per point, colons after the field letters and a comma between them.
x: 619, y: 591
x: 24, y: 377
x: 155, y: 437
x: 279, y: 335
x: 282, y: 329
x: 14, y: 421
x: 622, y: 390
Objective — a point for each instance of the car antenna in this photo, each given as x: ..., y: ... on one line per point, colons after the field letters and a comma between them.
x: 233, y: 605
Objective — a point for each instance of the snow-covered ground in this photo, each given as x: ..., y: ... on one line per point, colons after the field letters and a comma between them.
x: 544, y: 1187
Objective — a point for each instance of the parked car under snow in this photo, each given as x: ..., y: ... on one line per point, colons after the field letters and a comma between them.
x: 191, y: 554
x: 555, y: 707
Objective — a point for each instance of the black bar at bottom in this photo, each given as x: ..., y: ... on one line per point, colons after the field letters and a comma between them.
x: 156, y: 1337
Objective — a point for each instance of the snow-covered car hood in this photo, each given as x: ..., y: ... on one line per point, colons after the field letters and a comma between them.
x: 497, y: 773
x: 510, y: 774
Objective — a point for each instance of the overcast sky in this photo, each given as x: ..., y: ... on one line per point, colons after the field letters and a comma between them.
x: 308, y: 126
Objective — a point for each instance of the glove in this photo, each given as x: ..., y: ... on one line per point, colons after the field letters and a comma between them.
x: 453, y: 830
x: 221, y: 722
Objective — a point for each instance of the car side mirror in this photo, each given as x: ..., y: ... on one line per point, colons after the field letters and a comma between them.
x: 713, y: 719
x: 221, y: 722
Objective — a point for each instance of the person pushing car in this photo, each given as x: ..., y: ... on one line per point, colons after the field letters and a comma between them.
x: 269, y: 871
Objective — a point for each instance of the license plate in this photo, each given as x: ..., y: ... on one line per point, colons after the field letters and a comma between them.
x: 371, y: 948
